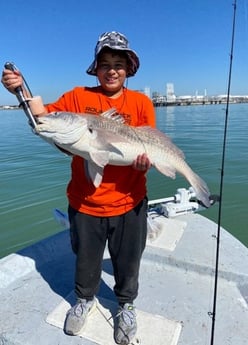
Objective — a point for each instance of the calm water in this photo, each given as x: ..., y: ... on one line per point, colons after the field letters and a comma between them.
x: 33, y: 175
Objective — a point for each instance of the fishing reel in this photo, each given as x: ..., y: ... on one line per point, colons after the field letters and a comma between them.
x: 183, y: 202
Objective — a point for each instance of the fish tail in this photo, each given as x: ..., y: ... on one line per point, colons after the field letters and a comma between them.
x: 201, y: 189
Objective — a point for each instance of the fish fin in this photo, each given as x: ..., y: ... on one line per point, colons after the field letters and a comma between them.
x: 201, y: 189
x: 100, y: 158
x: 107, y: 140
x: 113, y: 148
x: 94, y: 172
x: 111, y: 114
x: 166, y: 170
x: 96, y: 165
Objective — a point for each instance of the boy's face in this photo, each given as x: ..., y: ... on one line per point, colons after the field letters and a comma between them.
x: 111, y: 71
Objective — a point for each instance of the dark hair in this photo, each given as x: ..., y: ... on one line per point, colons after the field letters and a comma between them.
x: 115, y: 52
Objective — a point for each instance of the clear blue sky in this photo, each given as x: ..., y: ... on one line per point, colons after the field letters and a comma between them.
x: 186, y: 42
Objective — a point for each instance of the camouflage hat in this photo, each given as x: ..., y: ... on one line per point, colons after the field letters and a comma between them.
x: 116, y: 41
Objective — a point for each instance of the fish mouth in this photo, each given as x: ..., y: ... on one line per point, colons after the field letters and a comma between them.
x: 68, y: 153
x: 40, y: 120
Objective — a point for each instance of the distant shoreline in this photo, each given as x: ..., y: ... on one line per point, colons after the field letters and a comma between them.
x: 177, y: 102
x: 186, y: 101
x: 9, y: 107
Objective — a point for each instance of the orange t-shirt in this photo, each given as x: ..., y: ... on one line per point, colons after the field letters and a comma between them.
x: 122, y: 187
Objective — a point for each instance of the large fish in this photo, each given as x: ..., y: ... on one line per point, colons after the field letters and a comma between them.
x: 105, y: 139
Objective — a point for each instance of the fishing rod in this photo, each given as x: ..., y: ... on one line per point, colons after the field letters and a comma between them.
x: 20, y: 96
x: 213, y: 313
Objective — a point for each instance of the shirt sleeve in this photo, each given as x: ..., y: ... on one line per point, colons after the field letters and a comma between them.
x: 66, y: 102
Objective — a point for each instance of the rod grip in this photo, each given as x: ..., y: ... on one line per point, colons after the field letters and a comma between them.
x: 10, y: 66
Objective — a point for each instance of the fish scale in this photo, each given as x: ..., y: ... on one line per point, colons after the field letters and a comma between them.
x: 105, y: 139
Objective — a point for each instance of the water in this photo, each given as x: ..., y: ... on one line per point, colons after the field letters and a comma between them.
x: 33, y: 175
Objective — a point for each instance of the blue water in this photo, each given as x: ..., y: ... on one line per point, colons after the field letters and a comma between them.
x: 33, y: 175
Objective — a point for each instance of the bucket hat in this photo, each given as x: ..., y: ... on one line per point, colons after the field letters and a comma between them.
x: 116, y: 41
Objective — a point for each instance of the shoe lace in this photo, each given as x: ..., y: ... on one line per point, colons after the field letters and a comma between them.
x: 128, y: 315
x: 80, y: 307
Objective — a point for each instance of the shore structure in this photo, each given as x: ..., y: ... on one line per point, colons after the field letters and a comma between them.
x: 162, y: 101
x: 170, y: 99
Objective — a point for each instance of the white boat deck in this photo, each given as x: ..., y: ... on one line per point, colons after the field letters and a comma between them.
x: 175, y: 295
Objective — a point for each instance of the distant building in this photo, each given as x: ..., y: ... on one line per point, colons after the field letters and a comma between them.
x: 170, y: 95
x: 147, y: 91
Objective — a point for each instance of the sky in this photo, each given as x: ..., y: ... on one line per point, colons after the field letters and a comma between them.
x: 184, y: 42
